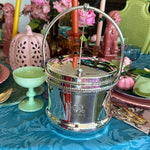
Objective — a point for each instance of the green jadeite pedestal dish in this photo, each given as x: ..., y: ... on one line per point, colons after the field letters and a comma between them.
x: 30, y: 77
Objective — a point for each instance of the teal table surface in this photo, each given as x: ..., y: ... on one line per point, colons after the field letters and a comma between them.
x: 23, y: 130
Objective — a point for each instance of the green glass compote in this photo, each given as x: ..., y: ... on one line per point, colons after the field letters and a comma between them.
x: 30, y: 77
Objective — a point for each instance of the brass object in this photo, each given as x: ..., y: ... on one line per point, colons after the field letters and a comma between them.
x: 129, y: 114
x: 146, y: 69
x: 5, y: 95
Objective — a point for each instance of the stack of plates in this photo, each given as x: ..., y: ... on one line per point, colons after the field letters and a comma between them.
x: 4, y: 73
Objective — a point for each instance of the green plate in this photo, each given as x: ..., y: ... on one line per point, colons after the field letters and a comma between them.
x: 142, y: 86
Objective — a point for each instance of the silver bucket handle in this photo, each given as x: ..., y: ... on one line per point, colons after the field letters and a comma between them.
x: 85, y: 7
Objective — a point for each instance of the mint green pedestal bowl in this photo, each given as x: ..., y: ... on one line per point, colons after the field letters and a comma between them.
x: 30, y: 77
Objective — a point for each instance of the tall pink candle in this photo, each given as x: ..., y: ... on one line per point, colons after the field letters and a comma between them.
x: 100, y: 23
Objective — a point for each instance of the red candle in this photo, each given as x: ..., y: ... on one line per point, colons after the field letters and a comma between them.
x: 75, y: 28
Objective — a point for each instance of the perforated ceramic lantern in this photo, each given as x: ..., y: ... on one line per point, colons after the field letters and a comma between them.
x: 26, y: 49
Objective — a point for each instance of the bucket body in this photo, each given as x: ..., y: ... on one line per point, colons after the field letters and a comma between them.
x: 79, y: 102
x: 76, y: 107
x: 82, y: 107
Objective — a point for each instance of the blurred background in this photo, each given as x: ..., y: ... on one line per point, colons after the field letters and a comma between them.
x: 24, y: 20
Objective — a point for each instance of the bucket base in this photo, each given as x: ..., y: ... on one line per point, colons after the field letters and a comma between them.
x: 64, y: 132
x: 80, y: 135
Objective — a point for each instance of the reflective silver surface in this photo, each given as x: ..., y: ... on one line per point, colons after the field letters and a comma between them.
x: 96, y: 76
x: 80, y: 102
x: 81, y: 96
x: 82, y: 113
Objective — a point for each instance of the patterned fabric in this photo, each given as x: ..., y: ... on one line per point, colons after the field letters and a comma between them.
x: 21, y: 130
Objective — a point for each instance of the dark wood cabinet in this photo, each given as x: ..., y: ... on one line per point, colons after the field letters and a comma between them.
x: 115, y: 5
x: 110, y: 4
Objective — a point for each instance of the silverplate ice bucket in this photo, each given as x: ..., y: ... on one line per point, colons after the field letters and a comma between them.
x: 78, y: 105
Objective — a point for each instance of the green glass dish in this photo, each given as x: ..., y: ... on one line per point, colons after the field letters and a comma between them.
x: 30, y: 77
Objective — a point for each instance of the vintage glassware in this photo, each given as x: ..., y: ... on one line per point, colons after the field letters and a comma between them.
x: 78, y: 106
x: 30, y: 77
x: 132, y: 51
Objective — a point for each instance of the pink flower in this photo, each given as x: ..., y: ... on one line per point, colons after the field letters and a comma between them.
x: 27, y: 9
x: 62, y: 5
x: 39, y: 2
x: 127, y: 61
x: 58, y: 6
x: 37, y: 11
x: 46, y: 8
x: 90, y: 17
x: 67, y: 3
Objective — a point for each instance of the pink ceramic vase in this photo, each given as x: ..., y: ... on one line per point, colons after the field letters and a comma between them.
x: 26, y: 49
